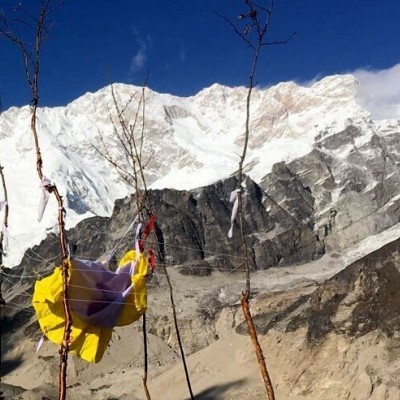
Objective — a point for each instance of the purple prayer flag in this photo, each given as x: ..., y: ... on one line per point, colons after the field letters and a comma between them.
x: 97, y: 294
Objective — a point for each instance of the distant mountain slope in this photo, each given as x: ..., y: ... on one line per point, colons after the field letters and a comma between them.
x: 195, y: 142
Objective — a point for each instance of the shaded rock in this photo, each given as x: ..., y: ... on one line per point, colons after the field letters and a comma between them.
x: 10, y: 391
x: 362, y: 298
x: 286, y: 320
x: 193, y: 226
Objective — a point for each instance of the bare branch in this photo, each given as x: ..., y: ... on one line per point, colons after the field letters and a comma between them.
x: 278, y: 42
x: 26, y: 23
x: 236, y: 30
x: 143, y: 122
x: 128, y: 103
x: 122, y: 172
x: 125, y: 140
x: 5, y: 224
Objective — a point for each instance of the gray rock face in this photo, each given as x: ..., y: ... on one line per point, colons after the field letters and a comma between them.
x: 273, y: 235
x: 192, y: 234
x: 193, y: 227
x: 347, y: 188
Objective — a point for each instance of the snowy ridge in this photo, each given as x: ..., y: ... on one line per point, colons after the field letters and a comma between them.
x: 195, y: 141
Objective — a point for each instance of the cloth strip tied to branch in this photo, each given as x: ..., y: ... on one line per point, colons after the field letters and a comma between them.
x: 44, y: 184
x: 235, y: 200
x: 4, y: 230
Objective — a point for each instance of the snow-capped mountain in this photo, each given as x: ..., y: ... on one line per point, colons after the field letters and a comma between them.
x: 190, y: 142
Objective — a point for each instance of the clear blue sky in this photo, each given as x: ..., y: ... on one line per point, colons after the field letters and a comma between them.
x: 187, y: 47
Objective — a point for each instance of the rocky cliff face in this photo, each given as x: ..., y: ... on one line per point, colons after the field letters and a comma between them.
x: 344, y: 335
x: 193, y: 228
x: 347, y: 188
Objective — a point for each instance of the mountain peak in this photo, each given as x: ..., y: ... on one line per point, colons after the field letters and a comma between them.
x: 337, y: 85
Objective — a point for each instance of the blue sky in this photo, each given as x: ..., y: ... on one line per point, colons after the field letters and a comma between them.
x: 185, y: 46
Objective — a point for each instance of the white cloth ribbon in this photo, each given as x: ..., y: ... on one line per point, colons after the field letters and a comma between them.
x: 137, y: 238
x: 45, y: 196
x: 137, y: 249
x: 3, y: 203
x: 235, y: 200
x: 133, y: 267
x: 4, y: 230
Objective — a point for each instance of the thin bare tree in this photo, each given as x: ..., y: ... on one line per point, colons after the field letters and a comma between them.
x: 2, y: 250
x: 40, y: 26
x: 3, y: 228
x: 131, y: 172
x: 252, y: 27
x: 131, y: 137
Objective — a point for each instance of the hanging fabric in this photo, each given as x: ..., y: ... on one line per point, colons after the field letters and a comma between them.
x: 137, y: 238
x: 4, y: 229
x: 152, y: 260
x: 44, y: 184
x: 235, y: 200
x: 99, y: 300
x: 150, y: 226
x: 6, y: 239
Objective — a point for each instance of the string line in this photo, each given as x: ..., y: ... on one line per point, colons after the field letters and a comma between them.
x: 127, y: 240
